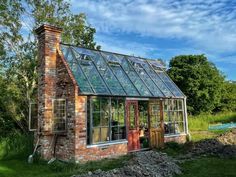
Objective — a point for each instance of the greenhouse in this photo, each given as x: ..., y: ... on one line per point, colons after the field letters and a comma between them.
x: 126, y: 93
x: 94, y: 104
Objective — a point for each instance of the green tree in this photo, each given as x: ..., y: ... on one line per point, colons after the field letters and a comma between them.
x: 18, y: 49
x: 228, y: 100
x: 200, y: 81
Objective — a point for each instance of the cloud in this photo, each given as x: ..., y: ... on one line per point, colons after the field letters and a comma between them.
x: 205, y: 24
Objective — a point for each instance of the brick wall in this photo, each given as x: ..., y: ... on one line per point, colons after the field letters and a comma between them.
x: 84, y: 153
x: 48, y: 42
x: 55, y: 81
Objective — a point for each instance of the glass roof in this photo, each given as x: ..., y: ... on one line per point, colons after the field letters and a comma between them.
x: 106, y: 73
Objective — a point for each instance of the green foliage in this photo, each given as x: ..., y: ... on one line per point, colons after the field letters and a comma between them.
x: 228, y: 100
x: 16, y: 145
x: 76, y: 30
x: 18, y: 52
x: 200, y: 81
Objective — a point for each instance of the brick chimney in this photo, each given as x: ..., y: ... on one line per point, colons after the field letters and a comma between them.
x: 48, y: 42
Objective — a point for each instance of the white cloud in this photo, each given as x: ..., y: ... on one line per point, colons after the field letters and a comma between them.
x: 206, y: 24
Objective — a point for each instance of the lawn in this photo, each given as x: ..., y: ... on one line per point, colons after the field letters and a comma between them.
x: 209, y: 167
x: 20, y: 167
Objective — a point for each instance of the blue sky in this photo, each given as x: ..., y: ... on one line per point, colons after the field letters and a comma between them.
x: 166, y: 28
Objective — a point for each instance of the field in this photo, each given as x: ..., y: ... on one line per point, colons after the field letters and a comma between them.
x: 198, y: 125
x: 15, y: 150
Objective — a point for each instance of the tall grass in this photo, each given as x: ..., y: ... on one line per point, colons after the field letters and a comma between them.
x: 201, y: 122
x: 16, y: 145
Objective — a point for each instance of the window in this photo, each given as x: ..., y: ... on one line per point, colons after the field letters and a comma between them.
x: 117, y: 119
x: 59, y: 115
x: 33, y: 117
x: 100, y: 120
x: 173, y: 116
x: 106, y: 120
x: 155, y: 116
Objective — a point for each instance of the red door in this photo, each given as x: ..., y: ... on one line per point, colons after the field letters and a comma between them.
x: 132, y: 125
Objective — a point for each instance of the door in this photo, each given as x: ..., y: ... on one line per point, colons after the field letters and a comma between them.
x: 156, y: 124
x: 132, y: 125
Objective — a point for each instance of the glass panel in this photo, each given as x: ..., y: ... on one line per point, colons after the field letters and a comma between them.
x: 141, y: 87
x: 180, y: 105
x: 59, y: 115
x: 155, y: 115
x: 33, y: 122
x: 89, y: 69
x: 156, y: 63
x: 169, y: 83
x: 95, y: 71
x: 137, y: 65
x: 169, y: 128
x: 179, y: 127
x: 157, y: 80
x: 64, y: 49
x: 94, y: 77
x: 96, y: 134
x: 124, y: 80
x: 121, y: 112
x: 78, y: 74
x: 131, y: 116
x: 107, y: 74
x: 104, y: 134
x: 122, y: 63
x: 100, y: 119
x: 96, y: 119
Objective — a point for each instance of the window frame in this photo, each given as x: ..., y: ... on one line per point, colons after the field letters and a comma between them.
x: 53, y: 113
x: 90, y: 113
x: 170, y: 110
x: 30, y: 117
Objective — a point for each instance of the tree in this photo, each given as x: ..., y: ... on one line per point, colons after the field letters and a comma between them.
x: 18, y: 50
x: 228, y: 100
x: 200, y: 81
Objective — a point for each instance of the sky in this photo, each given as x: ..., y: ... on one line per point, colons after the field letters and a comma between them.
x: 166, y: 28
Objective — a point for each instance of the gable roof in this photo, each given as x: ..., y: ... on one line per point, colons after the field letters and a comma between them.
x: 112, y: 74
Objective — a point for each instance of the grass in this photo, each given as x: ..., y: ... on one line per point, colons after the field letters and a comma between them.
x: 15, y: 149
x: 201, y: 122
x: 209, y: 167
x: 198, y: 125
x: 20, y: 167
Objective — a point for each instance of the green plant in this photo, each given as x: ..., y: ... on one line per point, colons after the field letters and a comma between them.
x: 16, y: 145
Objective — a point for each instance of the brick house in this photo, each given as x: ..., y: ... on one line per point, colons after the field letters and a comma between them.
x: 97, y: 104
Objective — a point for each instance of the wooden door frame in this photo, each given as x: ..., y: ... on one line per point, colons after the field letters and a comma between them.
x: 161, y: 119
x: 127, y: 114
